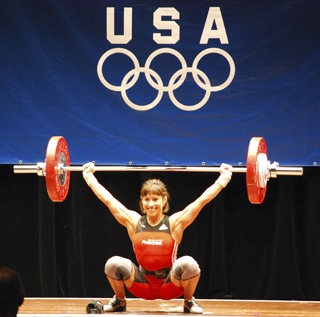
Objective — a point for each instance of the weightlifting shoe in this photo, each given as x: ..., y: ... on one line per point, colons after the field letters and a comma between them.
x: 115, y: 305
x: 190, y: 306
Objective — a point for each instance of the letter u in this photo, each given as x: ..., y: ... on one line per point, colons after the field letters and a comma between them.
x: 124, y: 38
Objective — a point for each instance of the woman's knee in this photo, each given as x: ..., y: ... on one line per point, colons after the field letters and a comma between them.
x: 185, y: 268
x: 118, y: 268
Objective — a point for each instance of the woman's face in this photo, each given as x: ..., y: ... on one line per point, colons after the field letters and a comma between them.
x: 153, y: 204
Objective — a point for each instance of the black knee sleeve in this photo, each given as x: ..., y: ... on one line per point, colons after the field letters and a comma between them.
x: 118, y: 268
x: 185, y: 268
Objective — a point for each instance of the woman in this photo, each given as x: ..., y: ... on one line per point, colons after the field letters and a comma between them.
x: 155, y: 237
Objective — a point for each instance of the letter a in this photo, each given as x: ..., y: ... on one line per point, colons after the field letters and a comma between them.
x: 124, y: 38
x: 214, y: 16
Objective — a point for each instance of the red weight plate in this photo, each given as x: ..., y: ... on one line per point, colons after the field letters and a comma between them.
x: 255, y: 193
x: 57, y: 183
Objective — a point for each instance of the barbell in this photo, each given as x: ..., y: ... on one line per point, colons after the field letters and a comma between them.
x: 56, y: 169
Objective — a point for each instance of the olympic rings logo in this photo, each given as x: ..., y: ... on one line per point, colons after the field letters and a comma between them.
x: 176, y: 80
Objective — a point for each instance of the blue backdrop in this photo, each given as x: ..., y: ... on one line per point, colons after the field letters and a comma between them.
x: 162, y: 81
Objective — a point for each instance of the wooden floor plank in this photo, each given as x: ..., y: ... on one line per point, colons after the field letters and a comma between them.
x: 137, y: 307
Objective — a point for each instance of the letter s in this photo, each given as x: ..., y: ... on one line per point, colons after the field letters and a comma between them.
x: 166, y: 25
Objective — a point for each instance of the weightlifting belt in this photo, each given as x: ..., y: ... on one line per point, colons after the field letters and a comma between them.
x: 158, y: 273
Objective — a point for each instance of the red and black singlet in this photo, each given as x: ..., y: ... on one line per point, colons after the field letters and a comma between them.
x: 154, y: 247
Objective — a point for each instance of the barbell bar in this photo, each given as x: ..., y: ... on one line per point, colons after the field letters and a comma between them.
x: 39, y: 169
x: 56, y: 169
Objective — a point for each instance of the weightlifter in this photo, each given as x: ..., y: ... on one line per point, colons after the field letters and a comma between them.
x: 155, y: 237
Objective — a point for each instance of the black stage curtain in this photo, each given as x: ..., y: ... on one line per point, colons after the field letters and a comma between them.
x: 269, y: 251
